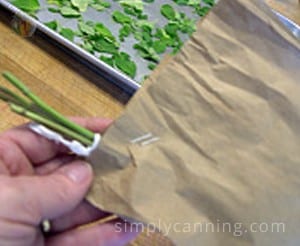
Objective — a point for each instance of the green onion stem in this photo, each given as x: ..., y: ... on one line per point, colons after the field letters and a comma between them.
x: 7, y: 98
x: 48, y: 110
x: 56, y: 127
x: 11, y: 96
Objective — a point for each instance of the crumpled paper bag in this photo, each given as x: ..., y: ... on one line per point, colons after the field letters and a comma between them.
x: 208, y: 151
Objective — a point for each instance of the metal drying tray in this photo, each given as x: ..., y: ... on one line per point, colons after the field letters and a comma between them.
x: 292, y: 26
x: 113, y: 75
x: 94, y: 63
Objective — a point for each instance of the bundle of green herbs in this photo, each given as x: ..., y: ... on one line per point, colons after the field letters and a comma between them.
x: 148, y: 36
x: 27, y: 104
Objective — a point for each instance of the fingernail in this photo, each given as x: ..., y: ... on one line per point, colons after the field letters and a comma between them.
x: 78, y: 172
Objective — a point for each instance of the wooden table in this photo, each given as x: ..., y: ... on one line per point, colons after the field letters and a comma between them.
x: 70, y: 87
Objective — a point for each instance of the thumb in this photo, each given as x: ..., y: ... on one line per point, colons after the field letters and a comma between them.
x: 50, y: 196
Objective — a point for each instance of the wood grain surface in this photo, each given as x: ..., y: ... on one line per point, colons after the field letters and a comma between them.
x: 69, y: 86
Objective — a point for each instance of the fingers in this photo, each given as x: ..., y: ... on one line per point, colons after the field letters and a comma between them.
x: 34, y: 198
x: 51, y: 166
x: 38, y: 149
x: 118, y: 234
x: 33, y: 147
x: 83, y: 214
x: 93, y: 124
x: 13, y: 161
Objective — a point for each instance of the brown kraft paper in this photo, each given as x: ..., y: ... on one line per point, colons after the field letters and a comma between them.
x: 220, y: 160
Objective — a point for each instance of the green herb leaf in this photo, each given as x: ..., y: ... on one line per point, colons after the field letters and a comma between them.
x: 107, y: 60
x: 152, y: 66
x: 29, y: 6
x: 53, y: 10
x: 121, y: 18
x: 56, y: 2
x: 85, y: 28
x: 52, y: 25
x: 210, y: 3
x: 188, y: 26
x: 80, y: 4
x: 202, y: 11
x: 100, y: 5
x: 102, y: 30
x: 69, y: 12
x: 159, y: 46
x: 171, y: 29
x: 137, y: 5
x: 146, y: 51
x: 123, y: 62
x: 168, y: 12
x: 124, y: 32
x: 103, y: 45
x: 88, y: 46
x: 67, y: 33
x: 133, y: 7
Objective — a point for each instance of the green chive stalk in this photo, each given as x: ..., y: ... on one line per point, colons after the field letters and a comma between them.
x: 48, y: 110
x: 8, y: 95
x: 44, y: 121
x: 33, y: 108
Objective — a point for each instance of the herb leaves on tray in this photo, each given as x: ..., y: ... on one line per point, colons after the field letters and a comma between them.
x: 152, y: 39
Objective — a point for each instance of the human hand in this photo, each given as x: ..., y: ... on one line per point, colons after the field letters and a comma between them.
x: 39, y: 180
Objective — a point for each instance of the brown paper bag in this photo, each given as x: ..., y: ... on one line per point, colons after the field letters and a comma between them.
x: 208, y: 151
